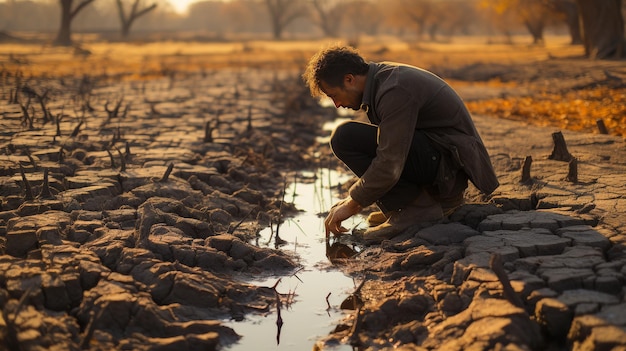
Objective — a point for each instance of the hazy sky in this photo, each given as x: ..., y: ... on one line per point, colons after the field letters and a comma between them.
x: 180, y: 6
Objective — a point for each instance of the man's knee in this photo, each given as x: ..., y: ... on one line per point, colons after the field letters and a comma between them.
x: 343, y: 132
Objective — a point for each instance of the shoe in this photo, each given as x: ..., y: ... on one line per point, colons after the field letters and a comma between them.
x: 450, y: 205
x: 375, y: 218
x: 424, y: 210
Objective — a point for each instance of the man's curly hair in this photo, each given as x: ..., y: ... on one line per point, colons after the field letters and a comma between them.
x: 330, y: 66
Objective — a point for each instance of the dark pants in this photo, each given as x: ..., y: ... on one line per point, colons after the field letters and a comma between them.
x: 354, y: 143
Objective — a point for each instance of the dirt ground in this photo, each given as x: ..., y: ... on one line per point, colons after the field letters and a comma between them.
x: 145, y: 214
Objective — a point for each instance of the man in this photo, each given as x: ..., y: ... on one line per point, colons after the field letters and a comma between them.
x: 416, y: 156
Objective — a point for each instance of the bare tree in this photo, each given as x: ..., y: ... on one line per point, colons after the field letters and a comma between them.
x: 363, y: 16
x: 602, y: 27
x: 328, y: 16
x: 413, y: 12
x: 68, y: 13
x: 135, y: 12
x: 567, y: 10
x: 535, y: 15
x: 282, y: 13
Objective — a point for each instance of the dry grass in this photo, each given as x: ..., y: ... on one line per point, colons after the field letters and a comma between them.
x: 576, y: 110
x: 137, y: 58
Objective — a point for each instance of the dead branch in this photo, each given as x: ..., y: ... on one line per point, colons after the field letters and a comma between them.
x: 498, y: 268
x: 28, y: 190
x: 572, y: 173
x: 45, y: 188
x: 167, y: 173
x: 122, y: 159
x: 76, y: 129
x: 91, y: 326
x: 208, y: 132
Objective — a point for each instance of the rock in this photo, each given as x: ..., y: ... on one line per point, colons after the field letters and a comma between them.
x: 20, y: 242
x: 578, y: 296
x: 594, y: 333
x: 55, y: 292
x: 420, y: 256
x: 585, y: 235
x: 446, y: 234
x: 555, y: 317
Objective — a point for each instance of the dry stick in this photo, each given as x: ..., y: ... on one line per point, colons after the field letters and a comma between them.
x: 127, y: 153
x: 118, y: 134
x: 61, y: 155
x: 208, y: 132
x: 58, y: 123
x: 77, y: 129
x: 122, y: 160
x: 497, y: 267
x: 46, y: 113
x: 10, y: 323
x: 327, y: 302
x: 601, y: 126
x: 526, y: 169
x: 126, y: 109
x: 113, y: 113
x: 45, y: 188
x: 167, y: 173
x: 113, y: 165
x: 560, y: 153
x: 29, y: 191
x: 91, y: 326
x: 572, y: 173
x: 249, y: 128
x: 28, y: 120
x: 279, y: 318
x: 232, y: 229
x: 280, y: 212
x: 356, y: 327
x: 31, y: 159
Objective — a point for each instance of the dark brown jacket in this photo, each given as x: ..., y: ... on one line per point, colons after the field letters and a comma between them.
x: 400, y: 99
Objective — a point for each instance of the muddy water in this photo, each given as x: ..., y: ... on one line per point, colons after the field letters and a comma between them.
x: 318, y: 289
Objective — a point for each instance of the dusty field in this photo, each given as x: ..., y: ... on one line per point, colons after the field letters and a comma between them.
x: 549, y: 85
x: 134, y: 177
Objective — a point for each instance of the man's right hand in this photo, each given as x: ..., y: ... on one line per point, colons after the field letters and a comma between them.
x: 341, y: 211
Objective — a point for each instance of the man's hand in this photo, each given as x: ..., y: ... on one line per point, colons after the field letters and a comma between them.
x: 341, y: 211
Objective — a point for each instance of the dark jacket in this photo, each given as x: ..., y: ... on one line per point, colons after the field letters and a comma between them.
x: 400, y: 99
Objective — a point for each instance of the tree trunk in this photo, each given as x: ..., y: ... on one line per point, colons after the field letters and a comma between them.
x: 602, y: 28
x: 64, y: 35
x: 127, y: 21
x: 535, y: 28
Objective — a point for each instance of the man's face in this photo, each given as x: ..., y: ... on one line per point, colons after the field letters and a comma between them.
x: 349, y: 95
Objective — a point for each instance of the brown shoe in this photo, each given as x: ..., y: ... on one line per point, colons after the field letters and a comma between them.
x: 401, y: 220
x: 375, y: 218
x: 452, y: 204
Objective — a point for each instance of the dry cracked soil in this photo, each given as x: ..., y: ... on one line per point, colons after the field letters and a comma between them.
x: 129, y: 204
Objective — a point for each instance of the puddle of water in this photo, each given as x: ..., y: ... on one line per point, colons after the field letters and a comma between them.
x: 308, y: 317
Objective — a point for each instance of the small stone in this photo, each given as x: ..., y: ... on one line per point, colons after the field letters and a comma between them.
x: 554, y: 316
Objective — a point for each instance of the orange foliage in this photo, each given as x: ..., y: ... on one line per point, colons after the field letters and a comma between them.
x: 574, y: 110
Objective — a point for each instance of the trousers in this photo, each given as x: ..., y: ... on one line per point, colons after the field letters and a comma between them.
x: 354, y: 143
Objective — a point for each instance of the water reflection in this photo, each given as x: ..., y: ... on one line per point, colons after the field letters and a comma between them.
x: 338, y: 252
x: 319, y: 289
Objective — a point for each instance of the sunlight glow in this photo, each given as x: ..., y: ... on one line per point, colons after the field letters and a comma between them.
x: 180, y: 6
